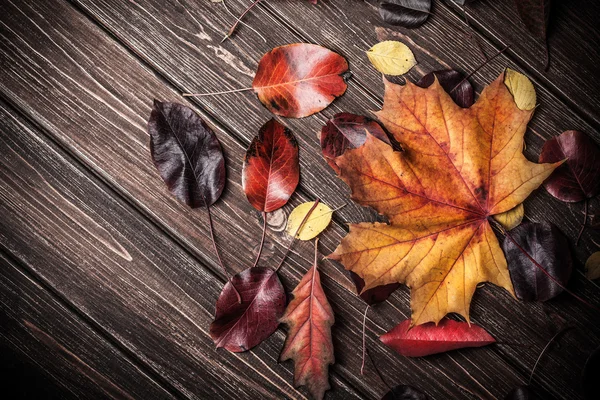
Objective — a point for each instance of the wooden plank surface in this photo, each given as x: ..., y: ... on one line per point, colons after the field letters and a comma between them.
x: 93, y: 98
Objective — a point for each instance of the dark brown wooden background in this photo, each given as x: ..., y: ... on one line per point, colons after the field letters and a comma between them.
x: 108, y: 284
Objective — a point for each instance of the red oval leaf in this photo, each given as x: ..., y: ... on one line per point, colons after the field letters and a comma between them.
x: 187, y: 154
x: 347, y: 131
x: 241, y: 326
x: 271, y: 169
x: 454, y: 83
x: 579, y: 177
x: 298, y: 80
x: 426, y: 339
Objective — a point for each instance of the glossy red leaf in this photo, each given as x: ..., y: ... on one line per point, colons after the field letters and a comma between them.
x: 426, y: 339
x: 309, y: 318
x: 404, y: 392
x: 186, y: 153
x: 298, y: 80
x: 347, y: 131
x: 454, y: 83
x: 376, y: 295
x: 241, y: 326
x: 547, y: 245
x: 579, y: 177
x: 271, y: 168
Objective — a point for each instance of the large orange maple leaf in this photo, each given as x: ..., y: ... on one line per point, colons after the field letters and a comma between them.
x: 458, y: 168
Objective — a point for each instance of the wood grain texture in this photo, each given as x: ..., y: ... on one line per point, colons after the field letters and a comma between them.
x: 178, y: 40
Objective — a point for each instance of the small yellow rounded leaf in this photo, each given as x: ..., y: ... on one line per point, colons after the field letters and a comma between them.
x: 316, y: 223
x: 511, y: 218
x: 592, y: 266
x: 391, y: 57
x: 521, y: 88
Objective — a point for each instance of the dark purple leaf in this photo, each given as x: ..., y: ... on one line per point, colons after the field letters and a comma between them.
x: 187, y: 154
x: 463, y: 95
x: 546, y: 244
x: 376, y: 295
x: 579, y: 177
x: 347, y: 131
x: 591, y: 372
x: 241, y: 326
x: 404, y: 392
x: 406, y: 13
x: 535, y: 14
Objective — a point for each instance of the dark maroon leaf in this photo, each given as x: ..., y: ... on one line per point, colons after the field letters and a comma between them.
x: 406, y: 13
x: 347, y: 131
x: 579, y: 177
x: 241, y: 326
x: 404, y: 392
x: 547, y: 245
x: 591, y: 372
x: 376, y: 295
x: 187, y: 154
x: 462, y: 95
x: 535, y: 14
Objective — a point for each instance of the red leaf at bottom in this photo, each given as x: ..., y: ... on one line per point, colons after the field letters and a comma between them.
x: 426, y: 339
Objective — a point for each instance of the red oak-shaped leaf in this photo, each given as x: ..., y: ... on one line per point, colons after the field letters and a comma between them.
x: 375, y: 295
x: 309, y: 318
x: 453, y: 83
x: 186, y: 153
x: 271, y: 169
x: 547, y: 245
x: 298, y: 80
x: 579, y: 178
x: 347, y: 131
x: 427, y: 339
x: 241, y: 326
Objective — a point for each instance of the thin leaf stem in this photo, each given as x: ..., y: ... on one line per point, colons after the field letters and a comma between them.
x: 585, y: 216
x: 560, y: 332
x: 262, y: 240
x: 234, y: 26
x: 364, y: 341
x: 377, y: 371
x: 243, y: 23
x: 287, y: 251
x: 215, y: 93
x: 471, y: 35
x: 212, y: 237
x: 483, y: 64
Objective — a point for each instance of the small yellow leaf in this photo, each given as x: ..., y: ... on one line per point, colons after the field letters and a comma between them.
x: 391, y: 57
x: 511, y: 218
x: 316, y: 223
x: 592, y: 266
x: 521, y: 88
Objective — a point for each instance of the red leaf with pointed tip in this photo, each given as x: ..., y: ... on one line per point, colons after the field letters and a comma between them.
x: 463, y: 95
x: 347, y: 131
x: 298, y: 80
x: 241, y: 326
x: 271, y: 168
x: 579, y: 177
x: 309, y: 318
x: 376, y: 295
x: 426, y: 339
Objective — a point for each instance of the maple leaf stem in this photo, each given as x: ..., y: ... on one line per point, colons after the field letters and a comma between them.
x: 262, y: 240
x: 483, y: 64
x: 212, y: 237
x: 585, y: 216
x: 215, y: 93
x: 287, y: 251
x: 234, y: 26
x: 538, y: 265
x: 560, y: 332
x: 364, y: 341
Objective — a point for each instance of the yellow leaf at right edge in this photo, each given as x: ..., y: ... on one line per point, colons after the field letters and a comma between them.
x: 592, y: 266
x: 521, y: 88
x: 511, y: 218
x: 391, y: 57
x: 316, y: 223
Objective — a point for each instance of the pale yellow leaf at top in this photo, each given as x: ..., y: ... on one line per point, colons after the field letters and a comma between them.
x: 592, y: 266
x: 316, y: 223
x: 521, y: 88
x: 391, y: 57
x: 512, y: 218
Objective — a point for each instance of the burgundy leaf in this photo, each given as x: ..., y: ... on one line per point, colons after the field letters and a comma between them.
x: 404, y: 392
x: 347, y: 131
x: 454, y: 83
x: 406, y: 13
x: 426, y: 339
x: 376, y: 295
x: 271, y: 169
x: 187, y: 154
x: 535, y: 14
x: 546, y: 244
x: 241, y: 326
x: 579, y: 178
